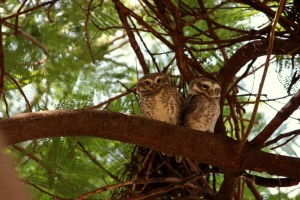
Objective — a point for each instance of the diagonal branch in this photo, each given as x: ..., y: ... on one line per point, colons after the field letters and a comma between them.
x: 110, y: 100
x: 254, y: 191
x: 279, y: 118
x: 94, y: 160
x: 20, y: 90
x: 17, y: 16
x: 52, y: 2
x: 291, y: 134
x: 123, y: 15
x: 227, y: 188
x: 27, y: 37
x: 145, y: 46
x: 86, y: 22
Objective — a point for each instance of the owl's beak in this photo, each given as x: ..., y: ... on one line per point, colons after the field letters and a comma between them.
x: 154, y: 86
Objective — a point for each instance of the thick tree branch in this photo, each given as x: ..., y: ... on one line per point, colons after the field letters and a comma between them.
x: 227, y: 188
x: 271, y: 182
x: 208, y: 148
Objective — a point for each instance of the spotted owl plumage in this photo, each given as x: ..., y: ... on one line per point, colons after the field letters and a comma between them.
x: 159, y: 99
x: 201, y: 109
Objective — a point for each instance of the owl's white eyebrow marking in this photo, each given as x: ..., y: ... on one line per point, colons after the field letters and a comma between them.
x: 159, y: 77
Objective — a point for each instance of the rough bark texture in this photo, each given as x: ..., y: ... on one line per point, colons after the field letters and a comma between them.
x: 214, y: 149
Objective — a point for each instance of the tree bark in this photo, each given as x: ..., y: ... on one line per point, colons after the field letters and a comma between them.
x: 209, y: 148
x: 227, y: 188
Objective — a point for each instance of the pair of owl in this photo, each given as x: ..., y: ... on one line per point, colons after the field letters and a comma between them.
x: 160, y: 100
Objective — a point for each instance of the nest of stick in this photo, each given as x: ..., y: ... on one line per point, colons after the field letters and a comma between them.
x: 152, y: 175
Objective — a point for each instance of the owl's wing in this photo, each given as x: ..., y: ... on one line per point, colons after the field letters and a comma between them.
x: 188, y: 107
x: 178, y: 101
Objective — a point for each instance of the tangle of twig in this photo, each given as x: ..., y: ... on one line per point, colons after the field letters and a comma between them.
x: 271, y: 43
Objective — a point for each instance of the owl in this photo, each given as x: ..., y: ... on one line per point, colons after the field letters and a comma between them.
x: 202, y: 107
x: 159, y: 99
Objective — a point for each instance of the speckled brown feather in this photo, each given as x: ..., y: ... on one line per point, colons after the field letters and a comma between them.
x: 202, y: 108
x: 163, y: 106
x: 161, y: 101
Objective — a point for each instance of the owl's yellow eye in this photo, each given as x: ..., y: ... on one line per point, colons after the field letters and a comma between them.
x: 158, y: 80
x: 146, y: 83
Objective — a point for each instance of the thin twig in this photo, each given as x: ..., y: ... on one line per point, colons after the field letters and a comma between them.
x: 127, y: 183
x: 30, y: 156
x: 234, y: 116
x: 124, y: 15
x: 165, y: 69
x: 117, y: 47
x: 49, y: 10
x: 110, y: 100
x: 2, y: 67
x: 287, y: 141
x: 141, y: 167
x: 245, y: 74
x: 88, y: 12
x: 270, y: 48
x: 163, y: 190
x: 281, y: 136
x: 145, y: 45
x: 123, y: 85
x: 149, y: 169
x: 97, y: 163
x: 6, y: 104
x: 213, y: 35
x: 283, y: 114
x: 30, y: 9
x: 20, y: 90
x: 44, y: 191
x: 17, y: 16
x: 27, y: 36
